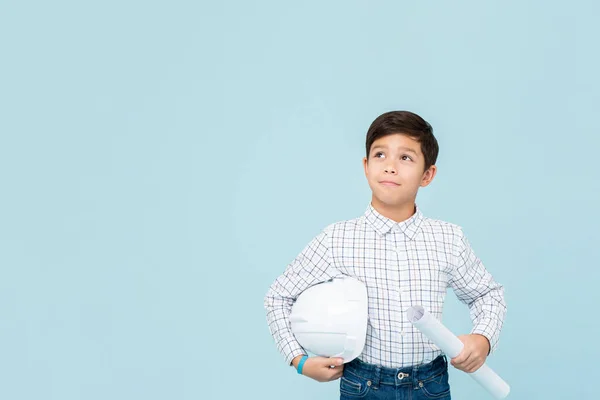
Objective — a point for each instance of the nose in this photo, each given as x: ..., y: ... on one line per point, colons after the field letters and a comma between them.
x: 390, y: 169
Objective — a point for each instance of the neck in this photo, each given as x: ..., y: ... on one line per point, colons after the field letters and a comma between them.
x: 397, y: 213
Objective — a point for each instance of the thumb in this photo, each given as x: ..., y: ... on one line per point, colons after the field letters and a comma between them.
x: 335, y: 361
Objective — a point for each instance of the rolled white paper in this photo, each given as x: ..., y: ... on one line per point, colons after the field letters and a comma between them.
x: 452, y: 346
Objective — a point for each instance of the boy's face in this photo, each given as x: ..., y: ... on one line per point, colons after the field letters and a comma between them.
x: 394, y: 170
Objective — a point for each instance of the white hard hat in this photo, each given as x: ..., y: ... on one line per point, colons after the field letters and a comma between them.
x: 330, y: 318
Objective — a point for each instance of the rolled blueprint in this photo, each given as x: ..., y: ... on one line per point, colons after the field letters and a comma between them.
x: 452, y: 346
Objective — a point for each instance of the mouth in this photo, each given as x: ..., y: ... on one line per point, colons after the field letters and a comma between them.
x: 389, y: 183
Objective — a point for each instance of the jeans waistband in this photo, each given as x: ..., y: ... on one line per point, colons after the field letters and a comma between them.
x: 397, y: 376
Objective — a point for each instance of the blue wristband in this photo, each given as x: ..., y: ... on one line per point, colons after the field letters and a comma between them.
x: 301, y: 364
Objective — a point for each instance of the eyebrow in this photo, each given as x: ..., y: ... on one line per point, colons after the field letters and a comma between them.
x: 401, y: 147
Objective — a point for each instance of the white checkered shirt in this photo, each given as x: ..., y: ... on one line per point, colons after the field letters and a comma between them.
x: 402, y: 264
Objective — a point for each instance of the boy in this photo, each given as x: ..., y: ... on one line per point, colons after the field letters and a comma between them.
x: 403, y: 258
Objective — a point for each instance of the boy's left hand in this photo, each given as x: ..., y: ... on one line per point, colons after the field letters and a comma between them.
x: 474, y: 353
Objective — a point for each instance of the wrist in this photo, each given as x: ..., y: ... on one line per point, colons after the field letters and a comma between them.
x: 301, y: 364
x: 296, y: 361
x: 485, y: 340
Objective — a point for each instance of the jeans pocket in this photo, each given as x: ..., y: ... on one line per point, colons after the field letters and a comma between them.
x: 354, y: 386
x: 436, y: 387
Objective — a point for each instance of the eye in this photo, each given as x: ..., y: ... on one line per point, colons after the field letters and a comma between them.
x: 379, y: 153
x: 405, y: 156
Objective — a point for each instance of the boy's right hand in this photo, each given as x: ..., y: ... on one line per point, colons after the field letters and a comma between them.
x: 319, y: 368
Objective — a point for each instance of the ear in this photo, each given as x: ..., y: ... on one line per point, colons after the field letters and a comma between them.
x: 366, y: 166
x: 428, y: 175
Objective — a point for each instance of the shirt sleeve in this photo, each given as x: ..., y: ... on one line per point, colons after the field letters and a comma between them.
x: 476, y: 287
x: 310, y: 267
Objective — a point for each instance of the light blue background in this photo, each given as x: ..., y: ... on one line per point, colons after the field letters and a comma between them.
x: 162, y: 162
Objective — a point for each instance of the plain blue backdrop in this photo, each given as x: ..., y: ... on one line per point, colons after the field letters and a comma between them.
x: 162, y: 162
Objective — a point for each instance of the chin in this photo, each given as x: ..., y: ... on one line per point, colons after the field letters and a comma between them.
x: 391, y: 202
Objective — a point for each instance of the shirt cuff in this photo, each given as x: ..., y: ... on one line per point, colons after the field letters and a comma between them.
x: 289, y: 357
x: 487, y: 328
x: 290, y: 349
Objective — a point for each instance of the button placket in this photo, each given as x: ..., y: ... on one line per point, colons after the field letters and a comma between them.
x: 403, y: 269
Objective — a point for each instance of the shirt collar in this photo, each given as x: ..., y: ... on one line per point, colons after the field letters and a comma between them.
x: 384, y: 225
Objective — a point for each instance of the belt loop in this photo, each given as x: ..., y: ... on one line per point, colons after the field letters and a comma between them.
x: 377, y: 376
x: 415, y: 371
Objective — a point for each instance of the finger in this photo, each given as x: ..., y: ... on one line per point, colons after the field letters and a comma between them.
x: 474, y: 365
x: 463, y: 362
x: 466, y: 367
x: 338, y: 373
x: 334, y: 361
x: 464, y: 353
x: 470, y: 369
x: 339, y: 361
x: 460, y: 358
x: 471, y: 365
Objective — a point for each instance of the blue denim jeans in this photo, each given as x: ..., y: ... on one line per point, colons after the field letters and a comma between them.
x: 371, y: 382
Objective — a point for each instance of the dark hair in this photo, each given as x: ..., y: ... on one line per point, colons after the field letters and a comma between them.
x: 409, y: 124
